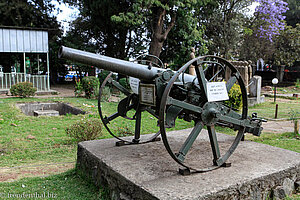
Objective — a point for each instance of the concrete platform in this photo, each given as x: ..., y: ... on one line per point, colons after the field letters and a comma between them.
x: 148, y: 172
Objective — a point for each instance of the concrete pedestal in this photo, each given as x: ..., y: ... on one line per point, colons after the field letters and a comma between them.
x: 148, y: 172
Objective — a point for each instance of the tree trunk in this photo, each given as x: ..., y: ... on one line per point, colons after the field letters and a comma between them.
x: 155, y: 46
x: 159, y: 33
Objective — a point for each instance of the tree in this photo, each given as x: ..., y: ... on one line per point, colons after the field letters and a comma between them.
x: 96, y: 23
x: 269, y: 15
x: 161, y: 18
x: 28, y: 13
x: 287, y: 46
x: 261, y: 29
x: 293, y: 14
x: 224, y: 27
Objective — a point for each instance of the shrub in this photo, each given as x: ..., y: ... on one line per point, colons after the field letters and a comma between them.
x: 103, y: 75
x: 90, y: 85
x: 235, y: 97
x: 297, y: 84
x: 124, y: 83
x: 85, y: 129
x: 23, y: 89
x: 124, y: 131
x: 105, y: 94
x: 78, y: 88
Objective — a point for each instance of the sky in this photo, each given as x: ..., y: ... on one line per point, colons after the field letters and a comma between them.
x: 66, y: 15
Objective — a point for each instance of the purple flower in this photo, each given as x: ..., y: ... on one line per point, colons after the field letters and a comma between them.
x: 270, y: 13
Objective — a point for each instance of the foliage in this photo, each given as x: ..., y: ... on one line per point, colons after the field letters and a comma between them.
x: 287, y: 46
x: 96, y: 26
x: 23, y: 89
x: 224, y: 25
x: 270, y: 15
x: 293, y: 14
x: 90, y: 84
x: 28, y: 13
x: 85, y: 129
x: 297, y: 84
x: 124, y: 83
x: 103, y: 75
x: 124, y: 131
x: 78, y: 88
x: 125, y: 28
x: 235, y: 98
x: 106, y: 94
x: 172, y: 27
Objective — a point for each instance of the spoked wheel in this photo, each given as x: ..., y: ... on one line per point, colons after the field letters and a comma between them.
x: 123, y: 117
x: 201, y: 105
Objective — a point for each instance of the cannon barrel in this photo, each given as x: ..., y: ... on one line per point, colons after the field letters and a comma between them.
x: 111, y: 64
x: 142, y: 72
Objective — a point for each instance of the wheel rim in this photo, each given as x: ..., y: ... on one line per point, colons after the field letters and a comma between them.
x: 107, y: 118
x: 223, y: 156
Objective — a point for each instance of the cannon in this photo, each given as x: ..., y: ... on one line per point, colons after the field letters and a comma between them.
x: 173, y: 98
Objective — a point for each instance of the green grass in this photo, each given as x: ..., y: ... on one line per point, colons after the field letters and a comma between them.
x: 267, y: 109
x: 285, y: 140
x: 29, y: 139
x: 289, y: 90
x: 52, y: 145
x: 67, y: 185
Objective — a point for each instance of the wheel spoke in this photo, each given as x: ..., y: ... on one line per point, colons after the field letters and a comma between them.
x: 120, y: 87
x: 231, y: 82
x: 214, y: 143
x: 201, y: 79
x: 110, y: 118
x: 189, y: 141
x: 152, y: 112
x: 184, y: 105
x: 216, y: 75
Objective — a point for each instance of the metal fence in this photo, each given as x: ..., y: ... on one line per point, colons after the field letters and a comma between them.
x: 39, y: 81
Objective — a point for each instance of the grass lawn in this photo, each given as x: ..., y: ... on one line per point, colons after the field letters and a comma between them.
x: 67, y: 185
x: 267, y: 109
x: 27, y: 140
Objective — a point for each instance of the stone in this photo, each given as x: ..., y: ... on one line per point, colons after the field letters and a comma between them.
x: 255, y: 86
x: 147, y: 172
x: 288, y: 186
x: 297, y: 186
x: 46, y: 113
x: 279, y: 193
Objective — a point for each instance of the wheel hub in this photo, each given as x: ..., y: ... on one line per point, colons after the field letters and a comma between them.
x: 211, y: 113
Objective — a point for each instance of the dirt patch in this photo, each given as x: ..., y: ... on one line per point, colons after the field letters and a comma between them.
x: 65, y: 90
x: 15, y: 173
x: 278, y: 126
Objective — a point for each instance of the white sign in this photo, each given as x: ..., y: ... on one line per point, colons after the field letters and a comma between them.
x: 147, y: 94
x: 216, y: 91
x: 134, y: 84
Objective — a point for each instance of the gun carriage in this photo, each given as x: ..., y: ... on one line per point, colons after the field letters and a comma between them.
x: 175, y: 96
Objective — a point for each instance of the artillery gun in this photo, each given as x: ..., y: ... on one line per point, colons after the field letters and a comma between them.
x: 173, y: 98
